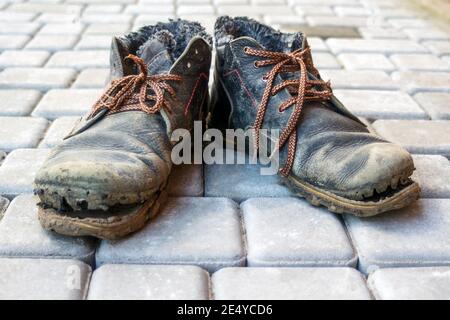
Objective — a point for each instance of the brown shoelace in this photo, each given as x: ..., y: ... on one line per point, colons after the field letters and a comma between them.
x: 302, y: 89
x: 131, y: 92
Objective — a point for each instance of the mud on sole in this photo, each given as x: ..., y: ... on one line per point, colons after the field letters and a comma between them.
x: 337, y: 204
x: 109, y: 225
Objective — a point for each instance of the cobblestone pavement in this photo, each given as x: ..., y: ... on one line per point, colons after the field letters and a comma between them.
x: 228, y: 232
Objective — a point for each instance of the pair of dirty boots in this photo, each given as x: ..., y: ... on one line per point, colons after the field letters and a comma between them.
x: 108, y: 176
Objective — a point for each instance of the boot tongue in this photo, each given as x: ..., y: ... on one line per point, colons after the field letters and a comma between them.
x: 295, y: 41
x: 157, y: 52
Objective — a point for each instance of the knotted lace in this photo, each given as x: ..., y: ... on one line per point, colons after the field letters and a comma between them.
x: 301, y: 89
x: 132, y: 92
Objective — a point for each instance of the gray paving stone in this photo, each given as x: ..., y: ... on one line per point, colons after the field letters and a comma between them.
x: 18, y: 170
x: 106, y: 18
x: 365, y: 61
x: 196, y: 231
x: 335, y: 21
x: 289, y: 283
x: 438, y: 47
x: 141, y: 282
x: 155, y: 8
x: 45, y: 7
x: 381, y: 33
x: 21, y: 235
x: 317, y: 44
x: 374, y: 104
x: 36, y: 78
x: 359, y: 79
x: 58, y: 18
x: 283, y: 232
x: 15, y: 58
x: 316, y: 10
x: 346, y: 11
x: 107, y: 28
x: 415, y: 236
x: 80, y: 59
x: 18, y: 102
x: 326, y: 60
x: 94, y: 42
x: 186, y: 181
x: 73, y: 29
x: 52, y: 42
x: 13, y: 41
x: 241, y: 181
x: 418, y: 136
x: 374, y: 46
x: 43, y: 279
x: 436, y: 104
x: 431, y: 283
x: 16, y: 16
x: 59, y: 129
x: 22, y: 28
x: 423, y: 81
x: 66, y: 102
x: 426, y: 34
x: 103, y: 8
x: 409, y: 23
x: 21, y: 132
x: 92, y: 78
x: 419, y: 62
x: 433, y: 175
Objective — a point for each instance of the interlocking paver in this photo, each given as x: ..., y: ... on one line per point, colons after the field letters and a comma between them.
x: 423, y: 81
x: 103, y: 8
x: 436, y: 104
x: 106, y: 18
x: 433, y: 175
x: 243, y: 181
x: 15, y: 58
x: 418, y: 136
x: 43, y: 279
x: 374, y: 46
x: 66, y: 102
x: 414, y: 236
x: 16, y: 16
x: 21, y: 132
x: 45, y: 7
x: 381, y: 33
x: 186, y: 181
x: 326, y: 60
x: 409, y: 23
x: 432, y: 283
x: 156, y: 8
x: 365, y: 61
x: 438, y: 47
x: 23, y: 28
x: 141, y: 282
x: 36, y: 78
x: 374, y: 104
x: 62, y: 28
x: 107, y: 28
x: 80, y: 59
x: 59, y: 129
x: 21, y: 235
x: 426, y: 34
x: 283, y: 232
x: 94, y: 42
x: 52, y: 42
x: 359, y: 79
x: 420, y: 62
x: 92, y: 78
x: 58, y: 18
x: 314, y: 10
x: 194, y: 231
x: 18, y: 102
x: 18, y: 170
x: 13, y: 41
x: 334, y: 21
x: 289, y: 283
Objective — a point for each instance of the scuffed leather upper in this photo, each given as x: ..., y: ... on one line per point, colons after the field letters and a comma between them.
x: 335, y: 151
x: 127, y: 154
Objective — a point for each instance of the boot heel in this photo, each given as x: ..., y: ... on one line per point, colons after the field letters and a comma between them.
x: 219, y: 108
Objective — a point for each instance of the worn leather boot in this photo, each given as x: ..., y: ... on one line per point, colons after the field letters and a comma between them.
x: 266, y: 79
x: 108, y: 176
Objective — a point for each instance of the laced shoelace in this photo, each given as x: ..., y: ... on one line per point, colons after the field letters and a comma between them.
x: 132, y: 92
x: 302, y: 89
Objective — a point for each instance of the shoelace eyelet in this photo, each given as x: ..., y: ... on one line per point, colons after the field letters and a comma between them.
x: 246, y: 49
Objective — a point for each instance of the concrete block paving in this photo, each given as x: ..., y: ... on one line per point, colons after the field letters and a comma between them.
x: 228, y: 232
